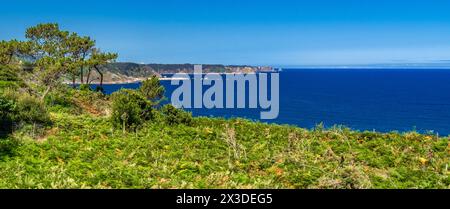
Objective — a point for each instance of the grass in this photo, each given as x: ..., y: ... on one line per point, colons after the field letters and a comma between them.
x: 83, y: 151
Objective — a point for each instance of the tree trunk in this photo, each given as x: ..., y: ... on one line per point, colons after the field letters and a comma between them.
x: 123, y: 127
x: 45, y: 93
x: 73, y: 81
x: 88, y: 75
x: 101, y: 75
x: 10, y: 58
x: 81, y: 75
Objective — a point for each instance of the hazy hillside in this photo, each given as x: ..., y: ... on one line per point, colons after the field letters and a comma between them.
x: 130, y: 72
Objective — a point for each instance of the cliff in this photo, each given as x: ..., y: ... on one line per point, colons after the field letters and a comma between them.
x: 126, y: 72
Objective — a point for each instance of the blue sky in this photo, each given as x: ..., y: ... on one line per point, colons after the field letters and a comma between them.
x: 263, y: 32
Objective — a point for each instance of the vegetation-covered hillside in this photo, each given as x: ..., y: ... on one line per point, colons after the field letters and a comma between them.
x: 146, y: 70
x: 120, y: 72
x: 55, y: 136
x: 83, y: 151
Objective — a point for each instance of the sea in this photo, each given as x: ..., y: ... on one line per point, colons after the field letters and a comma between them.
x: 383, y: 100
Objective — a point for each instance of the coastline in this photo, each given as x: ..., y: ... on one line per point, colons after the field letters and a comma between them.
x: 129, y: 81
x: 140, y: 79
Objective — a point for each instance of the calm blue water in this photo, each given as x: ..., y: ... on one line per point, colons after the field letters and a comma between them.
x: 362, y: 99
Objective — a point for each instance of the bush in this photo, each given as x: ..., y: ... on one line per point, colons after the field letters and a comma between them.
x: 30, y: 109
x: 9, y: 84
x: 59, y: 98
x: 174, y: 116
x: 152, y: 90
x: 85, y: 87
x: 9, y: 78
x: 27, y: 108
x: 8, y: 147
x: 130, y: 109
x: 6, y: 106
x: 6, y: 109
x: 7, y: 74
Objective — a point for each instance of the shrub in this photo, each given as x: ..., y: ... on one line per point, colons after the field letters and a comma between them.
x: 173, y: 116
x: 30, y: 109
x: 152, y: 90
x: 6, y: 106
x: 85, y: 87
x: 130, y: 109
x: 27, y: 108
x: 7, y: 74
x: 7, y: 147
x: 61, y: 98
x: 8, y: 84
x: 91, y: 102
x: 6, y: 109
x: 9, y: 78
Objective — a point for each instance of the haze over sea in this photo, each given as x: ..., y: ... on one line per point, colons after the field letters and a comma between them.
x: 362, y: 99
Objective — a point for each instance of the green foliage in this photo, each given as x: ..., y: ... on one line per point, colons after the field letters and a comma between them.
x: 87, y: 101
x: 9, y: 82
x: 60, y: 54
x: 99, y: 59
x: 11, y: 50
x: 7, y: 74
x: 174, y: 116
x: 130, y: 109
x: 85, y: 87
x: 216, y: 153
x: 21, y: 112
x: 9, y: 78
x: 47, y: 39
x: 27, y: 108
x: 6, y: 109
x: 152, y: 89
x: 6, y: 53
x: 58, y: 98
x: 30, y: 109
x: 8, y: 147
x: 49, y: 55
x: 61, y: 100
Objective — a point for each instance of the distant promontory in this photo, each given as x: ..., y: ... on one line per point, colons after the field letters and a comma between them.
x: 127, y: 72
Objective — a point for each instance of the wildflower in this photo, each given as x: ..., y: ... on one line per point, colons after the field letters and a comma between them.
x: 422, y: 160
